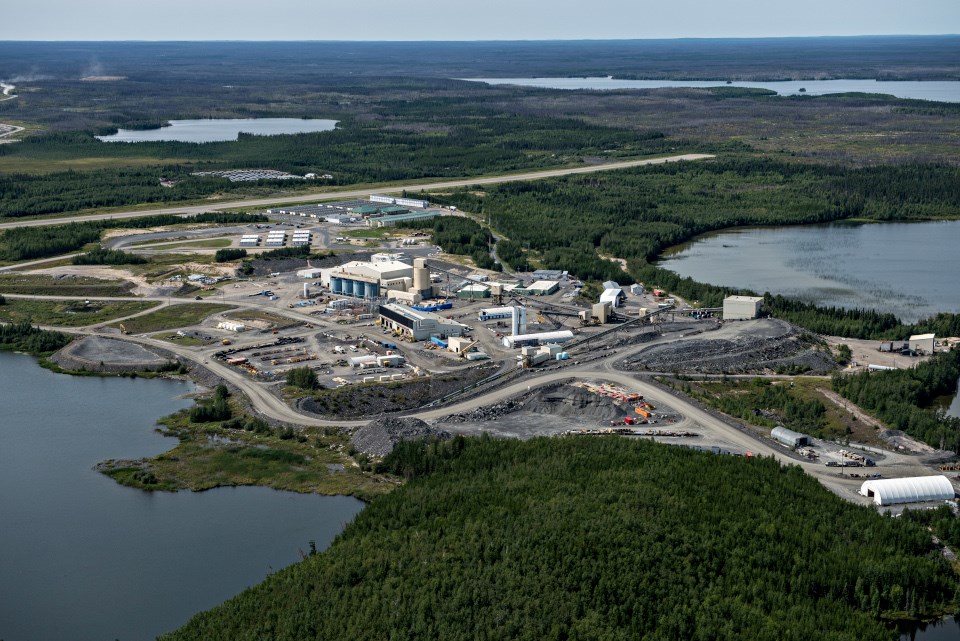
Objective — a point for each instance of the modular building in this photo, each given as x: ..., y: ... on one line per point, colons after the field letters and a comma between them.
x: 915, y: 489
x: 418, y: 325
x: 521, y: 340
x: 249, y: 240
x: 789, y: 437
x: 742, y: 307
x: 922, y: 343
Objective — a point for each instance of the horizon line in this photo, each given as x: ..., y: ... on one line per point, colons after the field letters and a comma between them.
x: 486, y: 40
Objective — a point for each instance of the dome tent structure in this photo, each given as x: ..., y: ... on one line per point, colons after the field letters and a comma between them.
x: 914, y: 489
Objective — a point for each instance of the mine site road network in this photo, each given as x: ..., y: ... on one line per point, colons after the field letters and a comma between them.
x: 357, y: 193
x: 600, y: 370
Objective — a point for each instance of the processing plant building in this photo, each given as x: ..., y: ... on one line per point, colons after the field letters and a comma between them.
x: 416, y: 324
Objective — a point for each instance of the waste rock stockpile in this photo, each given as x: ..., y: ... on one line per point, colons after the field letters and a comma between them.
x: 781, y: 346
x: 378, y: 437
x: 560, y: 401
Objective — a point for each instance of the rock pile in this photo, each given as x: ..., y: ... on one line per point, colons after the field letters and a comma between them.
x: 378, y: 437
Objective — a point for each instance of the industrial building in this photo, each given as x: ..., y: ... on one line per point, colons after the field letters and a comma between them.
x: 539, y: 288
x: 922, y: 343
x: 637, y: 289
x: 742, y: 307
x: 418, y: 325
x: 516, y: 314
x: 374, y: 279
x: 549, y: 274
x: 915, y: 489
x: 543, y: 338
x: 475, y: 290
x: 402, y: 202
x: 614, y: 297
x: 789, y: 437
x: 387, y: 221
x: 310, y: 273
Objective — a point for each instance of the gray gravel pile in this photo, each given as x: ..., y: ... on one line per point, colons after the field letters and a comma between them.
x: 377, y: 438
x: 561, y: 401
x: 740, y: 354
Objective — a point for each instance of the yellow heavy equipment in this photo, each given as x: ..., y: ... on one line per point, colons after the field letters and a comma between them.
x: 466, y: 350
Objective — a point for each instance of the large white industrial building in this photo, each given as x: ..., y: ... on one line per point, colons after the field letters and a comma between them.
x: 416, y: 324
x: 742, y: 307
x: 915, y: 489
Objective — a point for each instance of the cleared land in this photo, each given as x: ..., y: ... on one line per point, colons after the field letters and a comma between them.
x: 71, y: 313
x: 173, y: 316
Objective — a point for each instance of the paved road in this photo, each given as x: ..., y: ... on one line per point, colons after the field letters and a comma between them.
x: 359, y: 193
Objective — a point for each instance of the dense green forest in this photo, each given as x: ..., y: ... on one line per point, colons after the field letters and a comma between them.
x: 902, y: 398
x: 465, y: 141
x: 26, y: 243
x: 595, y: 539
x: 23, y: 337
x: 635, y: 214
x: 464, y: 237
x: 101, y: 256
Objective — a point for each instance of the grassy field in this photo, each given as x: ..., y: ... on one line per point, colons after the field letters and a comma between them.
x: 12, y: 164
x: 68, y: 313
x: 185, y: 341
x: 257, y: 315
x: 210, y: 455
x: 69, y: 286
x: 207, y: 243
x: 173, y: 316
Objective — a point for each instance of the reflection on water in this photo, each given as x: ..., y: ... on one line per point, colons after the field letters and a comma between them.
x: 909, y: 269
x: 85, y: 559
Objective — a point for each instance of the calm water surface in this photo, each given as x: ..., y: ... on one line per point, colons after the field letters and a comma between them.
x: 220, y: 130
x: 939, y: 90
x: 910, y: 269
x: 83, y: 558
x: 947, y: 629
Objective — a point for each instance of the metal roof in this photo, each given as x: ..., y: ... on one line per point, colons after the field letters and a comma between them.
x: 908, y: 490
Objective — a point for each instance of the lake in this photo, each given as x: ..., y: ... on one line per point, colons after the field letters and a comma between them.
x: 939, y: 90
x: 220, y: 130
x: 909, y: 269
x: 947, y: 629
x: 83, y: 558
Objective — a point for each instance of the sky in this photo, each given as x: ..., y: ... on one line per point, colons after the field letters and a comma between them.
x: 463, y: 20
